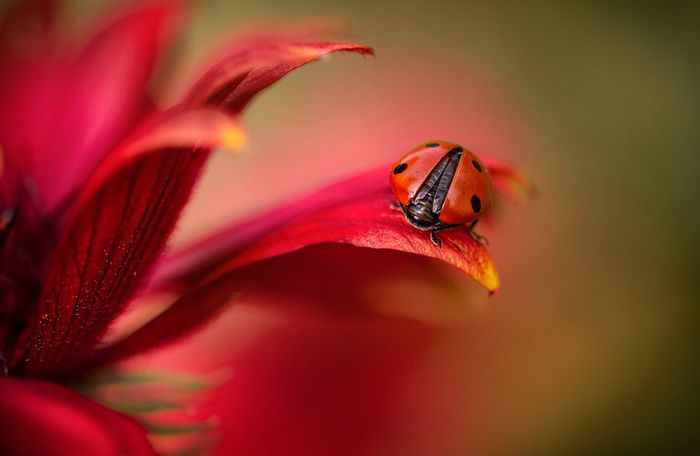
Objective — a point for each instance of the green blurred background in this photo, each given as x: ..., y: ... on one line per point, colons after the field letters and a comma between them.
x: 591, y: 347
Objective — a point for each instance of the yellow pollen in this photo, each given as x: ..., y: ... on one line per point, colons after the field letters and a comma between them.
x: 233, y: 138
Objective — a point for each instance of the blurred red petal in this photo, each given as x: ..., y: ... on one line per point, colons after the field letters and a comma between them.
x: 327, y: 386
x: 118, y: 230
x: 313, y: 367
x: 42, y: 418
x: 234, y: 81
x: 105, y: 97
x: 181, y: 319
x: 25, y: 44
x: 66, y: 112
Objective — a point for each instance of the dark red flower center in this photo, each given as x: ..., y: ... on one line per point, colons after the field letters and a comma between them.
x: 26, y: 241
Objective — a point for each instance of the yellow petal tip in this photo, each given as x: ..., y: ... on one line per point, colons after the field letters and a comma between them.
x: 489, y: 279
x: 233, y: 138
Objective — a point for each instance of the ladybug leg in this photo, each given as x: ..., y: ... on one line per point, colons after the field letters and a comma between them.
x: 393, y: 205
x: 477, y: 237
x: 433, y: 237
x: 440, y: 227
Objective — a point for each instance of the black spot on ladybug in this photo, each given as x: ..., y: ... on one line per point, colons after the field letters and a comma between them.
x: 432, y: 145
x: 477, y: 165
x: 401, y: 167
x: 476, y: 203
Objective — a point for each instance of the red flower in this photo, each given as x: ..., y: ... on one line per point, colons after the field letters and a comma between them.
x: 94, y: 178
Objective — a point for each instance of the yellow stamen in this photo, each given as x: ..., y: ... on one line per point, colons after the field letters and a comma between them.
x: 233, y: 138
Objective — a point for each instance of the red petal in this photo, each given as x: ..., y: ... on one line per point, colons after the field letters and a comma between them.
x: 363, y: 199
x: 324, y: 387
x: 119, y: 229
x: 356, y: 211
x: 366, y: 220
x: 67, y: 112
x: 314, y: 368
x: 233, y: 82
x: 25, y: 42
x: 106, y: 94
x: 332, y: 386
x: 42, y: 418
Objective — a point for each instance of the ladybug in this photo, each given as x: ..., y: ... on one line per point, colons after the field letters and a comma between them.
x: 441, y: 185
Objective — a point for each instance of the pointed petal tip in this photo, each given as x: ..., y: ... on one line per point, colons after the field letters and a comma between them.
x: 471, y: 257
x: 489, y: 279
x: 236, y: 79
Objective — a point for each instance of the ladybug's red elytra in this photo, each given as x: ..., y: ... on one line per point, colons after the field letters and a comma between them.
x: 441, y: 185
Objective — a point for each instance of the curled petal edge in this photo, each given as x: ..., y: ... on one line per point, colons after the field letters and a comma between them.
x: 236, y: 79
